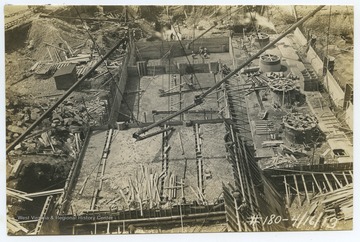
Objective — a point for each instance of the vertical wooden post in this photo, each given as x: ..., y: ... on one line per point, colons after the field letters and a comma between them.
x: 337, y: 181
x: 306, y: 191
x: 328, y: 182
x: 108, y: 228
x: 297, y: 189
x: 181, y: 220
x: 287, y: 192
x: 345, y: 178
x: 317, y: 184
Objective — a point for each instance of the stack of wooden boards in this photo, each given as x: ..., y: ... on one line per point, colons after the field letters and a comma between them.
x: 143, y: 190
x: 337, y: 203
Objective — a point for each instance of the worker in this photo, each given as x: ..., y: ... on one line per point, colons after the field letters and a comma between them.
x: 205, y: 53
x: 201, y: 50
x: 174, y: 79
x: 193, y: 54
x: 191, y: 78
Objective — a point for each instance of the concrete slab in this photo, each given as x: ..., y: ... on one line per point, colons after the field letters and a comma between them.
x: 127, y: 156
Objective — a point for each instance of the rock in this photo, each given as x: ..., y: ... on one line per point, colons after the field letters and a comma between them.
x: 30, y: 147
x: 37, y: 110
x: 45, y: 139
x: 34, y: 116
x: 82, y: 108
x: 15, y: 129
x: 31, y: 45
x: 26, y: 117
x: 56, y: 116
x: 68, y: 121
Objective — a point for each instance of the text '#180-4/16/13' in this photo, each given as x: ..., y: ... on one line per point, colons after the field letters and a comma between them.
x: 297, y: 221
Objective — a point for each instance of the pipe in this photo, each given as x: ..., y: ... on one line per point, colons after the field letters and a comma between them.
x: 199, y: 99
x: 61, y: 99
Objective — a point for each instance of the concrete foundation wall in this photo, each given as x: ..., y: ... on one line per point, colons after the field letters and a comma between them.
x: 329, y: 82
x: 181, y: 68
x: 117, y: 91
x: 157, y: 49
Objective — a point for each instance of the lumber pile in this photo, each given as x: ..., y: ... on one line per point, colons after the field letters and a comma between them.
x: 300, y: 121
x: 278, y: 161
x: 337, y: 203
x: 14, y: 227
x: 142, y: 190
x: 292, y: 151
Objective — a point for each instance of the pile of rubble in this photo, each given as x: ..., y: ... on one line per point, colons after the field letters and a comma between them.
x: 60, y: 133
x: 300, y: 121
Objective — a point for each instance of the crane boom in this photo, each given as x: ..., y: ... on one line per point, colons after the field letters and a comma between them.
x: 200, y: 98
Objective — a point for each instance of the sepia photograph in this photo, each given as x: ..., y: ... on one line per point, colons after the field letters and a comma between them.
x: 151, y: 119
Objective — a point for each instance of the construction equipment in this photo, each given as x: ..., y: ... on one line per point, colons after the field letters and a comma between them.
x: 199, y: 99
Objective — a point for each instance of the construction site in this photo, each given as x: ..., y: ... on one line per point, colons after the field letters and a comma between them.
x: 178, y: 119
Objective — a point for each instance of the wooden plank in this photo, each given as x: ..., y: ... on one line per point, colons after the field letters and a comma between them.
x: 83, y: 185
x: 306, y: 190
x: 297, y: 190
x: 328, y: 182
x: 312, y: 208
x: 181, y: 143
x: 345, y: 178
x: 17, y: 191
x: 16, y: 168
x: 287, y: 192
x: 17, y: 225
x: 337, y: 181
x: 196, y: 194
x: 325, y: 188
x: 270, y: 143
x: 45, y: 193
x: 182, y: 188
x: 17, y: 195
x: 316, y: 183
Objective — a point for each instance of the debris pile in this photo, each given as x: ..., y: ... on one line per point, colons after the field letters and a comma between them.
x: 328, y: 209
x: 58, y: 134
x: 337, y: 203
x: 282, y: 85
x: 300, y: 121
x: 142, y: 190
